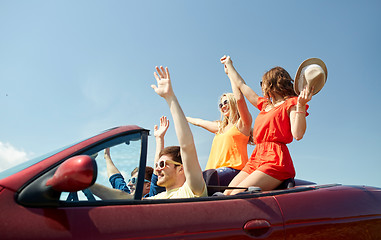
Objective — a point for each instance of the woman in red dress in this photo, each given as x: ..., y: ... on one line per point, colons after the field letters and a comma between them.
x: 282, y: 117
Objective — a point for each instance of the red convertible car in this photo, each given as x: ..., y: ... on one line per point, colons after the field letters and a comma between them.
x: 48, y: 198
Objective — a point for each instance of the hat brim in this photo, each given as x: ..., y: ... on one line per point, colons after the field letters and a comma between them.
x: 305, y: 63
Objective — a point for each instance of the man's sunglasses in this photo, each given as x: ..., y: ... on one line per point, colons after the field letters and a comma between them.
x: 134, y: 180
x: 163, y: 163
x: 223, y: 103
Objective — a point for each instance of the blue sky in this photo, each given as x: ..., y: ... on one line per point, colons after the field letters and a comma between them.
x: 71, y: 69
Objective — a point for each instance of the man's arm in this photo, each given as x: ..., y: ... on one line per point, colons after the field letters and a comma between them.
x: 111, y: 168
x: 159, y: 133
x: 106, y: 193
x: 192, y: 169
x: 115, y: 177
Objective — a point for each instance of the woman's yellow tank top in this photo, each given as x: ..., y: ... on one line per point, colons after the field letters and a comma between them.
x: 229, y: 149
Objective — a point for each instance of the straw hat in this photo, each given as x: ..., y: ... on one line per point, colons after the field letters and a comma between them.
x: 312, y: 73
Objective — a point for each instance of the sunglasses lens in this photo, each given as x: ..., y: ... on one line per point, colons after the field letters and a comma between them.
x: 132, y: 180
x: 161, y: 164
x: 223, y: 103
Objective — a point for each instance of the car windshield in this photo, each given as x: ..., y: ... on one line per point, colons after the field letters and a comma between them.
x: 12, y: 170
x: 26, y: 164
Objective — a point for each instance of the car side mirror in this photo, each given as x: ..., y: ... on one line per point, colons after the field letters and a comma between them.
x: 75, y: 174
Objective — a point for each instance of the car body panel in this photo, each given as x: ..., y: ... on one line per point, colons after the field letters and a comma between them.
x: 187, y: 220
x: 191, y: 220
x: 352, y: 210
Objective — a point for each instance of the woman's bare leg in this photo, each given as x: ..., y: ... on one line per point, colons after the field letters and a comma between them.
x: 236, y: 181
x: 257, y: 179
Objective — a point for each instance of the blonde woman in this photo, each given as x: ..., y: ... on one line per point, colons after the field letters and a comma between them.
x: 228, y: 153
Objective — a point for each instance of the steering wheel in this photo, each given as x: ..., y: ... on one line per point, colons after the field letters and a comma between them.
x: 73, y: 196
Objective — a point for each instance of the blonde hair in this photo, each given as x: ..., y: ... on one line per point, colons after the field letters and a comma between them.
x: 233, y: 115
x: 233, y: 109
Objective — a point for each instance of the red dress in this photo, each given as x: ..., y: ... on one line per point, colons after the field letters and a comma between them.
x: 272, y: 131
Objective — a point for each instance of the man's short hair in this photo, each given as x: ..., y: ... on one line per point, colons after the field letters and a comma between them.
x: 173, y: 152
x: 148, y: 174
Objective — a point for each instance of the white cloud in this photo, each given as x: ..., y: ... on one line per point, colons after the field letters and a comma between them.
x: 11, y: 156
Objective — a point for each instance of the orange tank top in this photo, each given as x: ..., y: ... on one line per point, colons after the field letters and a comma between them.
x: 229, y: 149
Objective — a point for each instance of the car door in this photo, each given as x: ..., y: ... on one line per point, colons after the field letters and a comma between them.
x: 244, y: 217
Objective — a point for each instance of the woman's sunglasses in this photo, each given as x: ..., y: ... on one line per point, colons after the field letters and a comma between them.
x: 134, y: 180
x: 223, y: 103
x: 163, y: 163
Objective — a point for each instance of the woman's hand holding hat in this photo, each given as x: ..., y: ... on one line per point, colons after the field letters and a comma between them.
x: 305, y: 96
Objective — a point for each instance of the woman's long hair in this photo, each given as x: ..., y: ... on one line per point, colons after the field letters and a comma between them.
x: 233, y: 112
x: 278, y: 80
